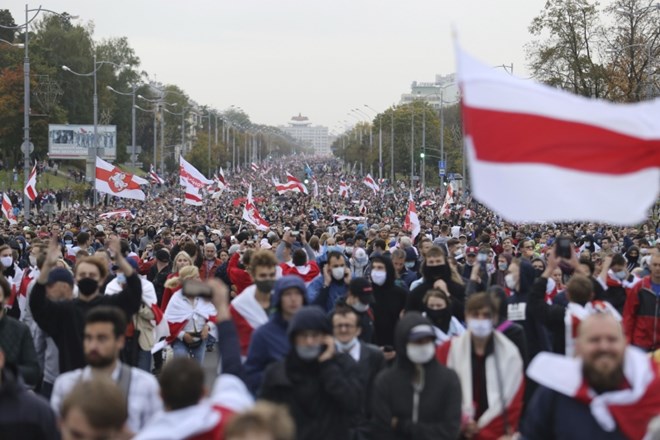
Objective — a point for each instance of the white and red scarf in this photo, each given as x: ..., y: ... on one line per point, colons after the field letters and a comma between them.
x: 629, y: 409
x: 248, y: 315
x: 457, y: 355
x: 180, y: 310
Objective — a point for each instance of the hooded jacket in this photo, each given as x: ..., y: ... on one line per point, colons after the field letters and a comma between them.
x: 270, y: 342
x: 537, y: 336
x: 321, y: 397
x: 390, y: 299
x: 439, y: 407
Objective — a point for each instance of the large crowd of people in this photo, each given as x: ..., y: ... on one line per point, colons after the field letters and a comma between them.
x: 338, y: 321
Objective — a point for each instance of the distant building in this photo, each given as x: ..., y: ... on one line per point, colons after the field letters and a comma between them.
x: 444, y: 86
x: 315, y: 137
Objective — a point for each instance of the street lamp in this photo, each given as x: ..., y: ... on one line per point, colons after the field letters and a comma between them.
x: 183, y: 127
x: 155, y: 112
x: 27, y: 146
x: 380, y: 142
x: 159, y: 104
x: 133, y: 108
x: 92, y: 153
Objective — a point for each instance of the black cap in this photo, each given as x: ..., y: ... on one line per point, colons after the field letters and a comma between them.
x: 60, y: 274
x: 361, y: 287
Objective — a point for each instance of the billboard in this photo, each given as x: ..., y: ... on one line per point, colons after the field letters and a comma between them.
x: 73, y: 141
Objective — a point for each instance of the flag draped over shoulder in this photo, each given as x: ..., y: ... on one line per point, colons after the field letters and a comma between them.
x: 582, y: 153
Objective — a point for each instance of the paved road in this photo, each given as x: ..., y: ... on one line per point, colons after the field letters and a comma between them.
x: 210, y: 368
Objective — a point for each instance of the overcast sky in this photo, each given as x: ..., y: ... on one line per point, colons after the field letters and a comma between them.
x: 321, y: 58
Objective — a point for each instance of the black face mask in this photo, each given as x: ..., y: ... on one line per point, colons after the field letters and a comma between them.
x: 265, y: 285
x: 151, y: 234
x: 87, y: 286
x: 538, y: 272
x: 433, y: 273
x: 440, y: 318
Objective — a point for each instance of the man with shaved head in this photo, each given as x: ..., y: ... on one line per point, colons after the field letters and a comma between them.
x: 610, y: 390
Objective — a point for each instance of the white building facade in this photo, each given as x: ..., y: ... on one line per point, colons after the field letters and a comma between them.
x: 315, y: 137
x: 443, y: 89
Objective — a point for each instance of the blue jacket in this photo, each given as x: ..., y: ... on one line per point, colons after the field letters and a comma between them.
x: 325, y: 297
x: 270, y: 342
x: 554, y: 416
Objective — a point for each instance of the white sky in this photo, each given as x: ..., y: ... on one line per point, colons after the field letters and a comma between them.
x: 322, y: 58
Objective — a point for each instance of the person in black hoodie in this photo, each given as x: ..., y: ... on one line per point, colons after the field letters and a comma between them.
x: 434, y: 268
x: 389, y: 300
x: 319, y: 386
x: 511, y: 330
x: 417, y: 398
x: 23, y: 414
x: 519, y: 281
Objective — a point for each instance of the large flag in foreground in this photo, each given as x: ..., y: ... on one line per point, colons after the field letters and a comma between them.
x: 251, y: 215
x: 116, y: 182
x: 541, y: 154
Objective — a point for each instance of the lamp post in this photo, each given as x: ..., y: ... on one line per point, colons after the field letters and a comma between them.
x: 133, y: 109
x: 183, y: 126
x: 92, y: 153
x: 380, y: 142
x: 27, y: 146
x: 208, y: 116
x: 155, y: 112
x: 160, y: 104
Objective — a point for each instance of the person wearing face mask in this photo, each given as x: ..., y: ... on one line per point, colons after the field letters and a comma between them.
x: 437, y: 308
x: 434, y: 268
x: 503, y: 262
x: 632, y: 257
x: 64, y: 321
x: 12, y: 273
x: 615, y: 279
x: 319, y: 385
x: 404, y: 269
x: 491, y: 373
x: 250, y: 309
x: 417, y: 398
x: 147, y: 239
x: 389, y: 300
x: 369, y: 358
x: 325, y: 290
x: 269, y: 342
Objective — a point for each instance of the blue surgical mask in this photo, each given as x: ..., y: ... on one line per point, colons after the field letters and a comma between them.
x: 409, y: 264
x: 121, y: 278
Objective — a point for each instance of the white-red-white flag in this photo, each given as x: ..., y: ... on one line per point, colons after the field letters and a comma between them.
x: 116, y: 182
x: 8, y: 209
x: 412, y: 220
x: 293, y: 180
x: 587, y: 153
x: 371, y: 183
x: 193, y: 196
x: 190, y: 176
x: 468, y: 214
x: 328, y: 190
x: 344, y: 189
x: 120, y: 213
x: 315, y: 185
x: 220, y: 180
x: 155, y: 178
x: 426, y: 203
x: 251, y: 214
x: 255, y: 167
x: 343, y: 218
x: 31, y: 187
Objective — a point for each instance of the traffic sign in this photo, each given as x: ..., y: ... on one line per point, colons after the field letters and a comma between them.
x: 442, y: 172
x: 27, y: 147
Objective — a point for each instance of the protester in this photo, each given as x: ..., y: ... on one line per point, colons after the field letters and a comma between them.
x: 325, y: 290
x: 104, y: 338
x: 417, y: 398
x: 318, y: 385
x: 641, y: 313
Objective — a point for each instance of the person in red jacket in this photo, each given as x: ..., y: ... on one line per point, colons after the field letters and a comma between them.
x: 642, y: 310
x: 236, y: 268
x: 307, y: 270
x: 211, y: 262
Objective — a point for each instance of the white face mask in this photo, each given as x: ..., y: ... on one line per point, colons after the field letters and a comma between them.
x: 346, y: 346
x: 360, y: 307
x: 338, y: 273
x: 510, y: 281
x: 481, y: 328
x: 7, y: 261
x: 33, y: 260
x: 420, y: 353
x: 378, y: 277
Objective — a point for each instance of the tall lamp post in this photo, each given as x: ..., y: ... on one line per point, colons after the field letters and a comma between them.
x: 27, y: 146
x: 92, y: 153
x: 183, y: 126
x: 380, y: 142
x: 133, y: 109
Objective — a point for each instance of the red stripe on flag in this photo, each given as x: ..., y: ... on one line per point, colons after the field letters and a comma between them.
x: 517, y: 138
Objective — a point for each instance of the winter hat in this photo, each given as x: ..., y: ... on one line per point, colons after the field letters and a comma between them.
x: 309, y: 318
x: 60, y: 274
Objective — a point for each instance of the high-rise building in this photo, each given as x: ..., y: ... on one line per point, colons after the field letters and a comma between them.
x: 444, y: 88
x: 314, y: 137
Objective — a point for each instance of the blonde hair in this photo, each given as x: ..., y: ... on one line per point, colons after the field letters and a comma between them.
x: 187, y: 273
x: 185, y: 255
